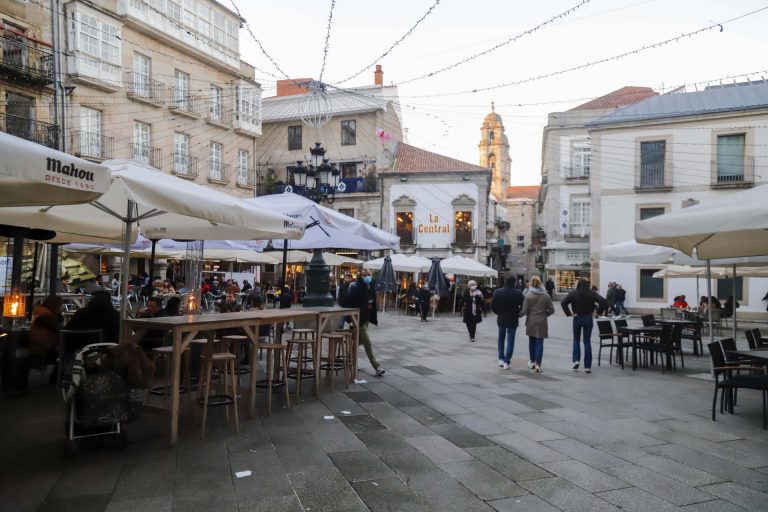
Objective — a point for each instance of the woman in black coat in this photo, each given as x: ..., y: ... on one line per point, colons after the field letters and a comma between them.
x: 472, y: 310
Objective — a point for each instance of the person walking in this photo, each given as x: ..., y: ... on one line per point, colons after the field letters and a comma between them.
x: 361, y: 295
x: 610, y: 298
x: 583, y: 302
x: 537, y: 306
x: 423, y: 299
x: 550, y: 287
x: 507, y: 303
x: 342, y: 292
x: 621, y: 296
x: 472, y: 311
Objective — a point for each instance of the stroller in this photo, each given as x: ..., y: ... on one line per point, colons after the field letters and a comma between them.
x: 98, y: 400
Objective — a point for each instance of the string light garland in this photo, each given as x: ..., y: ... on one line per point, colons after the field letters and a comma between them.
x: 327, y: 40
x: 247, y: 27
x: 593, y: 63
x: 494, y: 48
x: 392, y: 47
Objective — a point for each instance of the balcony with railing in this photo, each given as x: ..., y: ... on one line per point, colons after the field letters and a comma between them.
x: 218, y: 115
x: 181, y: 102
x: 652, y: 178
x: 92, y: 145
x: 25, y: 59
x: 46, y: 134
x: 218, y: 172
x: 734, y: 175
x: 147, y: 154
x: 246, y: 179
x: 143, y: 88
x: 184, y: 165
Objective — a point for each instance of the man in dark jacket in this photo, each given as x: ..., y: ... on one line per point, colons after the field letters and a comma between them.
x: 99, y: 314
x: 507, y: 303
x: 583, y: 301
x: 362, y: 295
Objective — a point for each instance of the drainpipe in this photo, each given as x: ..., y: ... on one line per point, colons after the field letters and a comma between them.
x: 56, y: 46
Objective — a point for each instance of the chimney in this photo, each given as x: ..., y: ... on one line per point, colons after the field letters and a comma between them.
x: 378, y: 75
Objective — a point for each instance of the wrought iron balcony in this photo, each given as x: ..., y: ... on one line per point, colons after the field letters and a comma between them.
x: 46, y: 134
x: 184, y: 165
x: 142, y: 87
x: 92, y: 145
x: 147, y: 154
x: 23, y: 58
x: 184, y: 103
x: 218, y: 172
x: 248, y: 179
x: 218, y: 114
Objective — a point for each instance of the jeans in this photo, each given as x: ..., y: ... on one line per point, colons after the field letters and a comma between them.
x: 532, y: 349
x: 619, y: 306
x: 582, y: 331
x: 538, y: 349
x: 506, y: 334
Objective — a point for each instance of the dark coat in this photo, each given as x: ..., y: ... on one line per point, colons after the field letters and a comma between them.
x: 507, y: 303
x: 466, y: 309
x: 583, y: 300
x: 343, y: 291
x: 97, y: 315
x: 363, y: 297
x: 286, y: 298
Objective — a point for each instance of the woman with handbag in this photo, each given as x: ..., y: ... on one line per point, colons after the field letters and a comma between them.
x: 472, y: 312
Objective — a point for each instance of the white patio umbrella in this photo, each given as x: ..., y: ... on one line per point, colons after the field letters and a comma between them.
x: 467, y: 267
x: 163, y: 205
x: 730, y: 226
x: 632, y: 252
x: 401, y: 263
x: 32, y: 175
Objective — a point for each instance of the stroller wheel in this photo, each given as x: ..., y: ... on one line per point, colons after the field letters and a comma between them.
x: 69, y: 449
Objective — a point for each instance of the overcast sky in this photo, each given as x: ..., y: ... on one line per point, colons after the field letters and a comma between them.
x: 437, y: 113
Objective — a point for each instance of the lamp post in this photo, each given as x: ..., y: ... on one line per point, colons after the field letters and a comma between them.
x: 316, y: 181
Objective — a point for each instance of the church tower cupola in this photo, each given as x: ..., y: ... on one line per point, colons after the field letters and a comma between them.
x: 494, y: 152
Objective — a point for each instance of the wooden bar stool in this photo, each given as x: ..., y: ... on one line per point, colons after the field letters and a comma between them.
x: 271, y: 348
x: 226, y: 397
x: 234, y: 344
x: 164, y: 355
x: 351, y: 350
x: 337, y: 358
x: 300, y: 340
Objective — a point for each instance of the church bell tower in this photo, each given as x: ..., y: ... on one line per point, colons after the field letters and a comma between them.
x: 494, y: 152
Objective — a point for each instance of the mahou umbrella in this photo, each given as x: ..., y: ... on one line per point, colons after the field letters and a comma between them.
x: 386, y: 281
x: 436, y: 279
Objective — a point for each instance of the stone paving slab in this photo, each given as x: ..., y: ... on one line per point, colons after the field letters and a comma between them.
x: 445, y: 429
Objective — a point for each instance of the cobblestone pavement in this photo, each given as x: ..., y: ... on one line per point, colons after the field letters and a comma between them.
x: 445, y: 429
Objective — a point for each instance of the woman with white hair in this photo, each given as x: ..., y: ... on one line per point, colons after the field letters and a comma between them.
x: 537, y: 306
x: 472, y: 311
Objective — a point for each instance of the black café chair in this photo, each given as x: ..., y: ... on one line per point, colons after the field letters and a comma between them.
x: 693, y: 333
x: 760, y: 339
x: 607, y: 338
x: 648, y: 320
x: 729, y: 378
x: 664, y: 345
x: 751, y: 341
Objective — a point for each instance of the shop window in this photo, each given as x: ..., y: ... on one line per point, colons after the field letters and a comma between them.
x: 566, y: 280
x: 463, y: 227
x: 405, y: 227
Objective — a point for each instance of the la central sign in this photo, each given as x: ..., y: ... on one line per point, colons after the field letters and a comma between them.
x: 434, y: 226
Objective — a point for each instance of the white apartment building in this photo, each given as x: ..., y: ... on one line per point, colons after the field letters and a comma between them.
x: 666, y: 153
x: 565, y: 211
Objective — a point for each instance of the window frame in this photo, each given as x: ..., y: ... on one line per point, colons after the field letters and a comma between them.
x: 642, y: 298
x: 639, y: 207
x: 718, y: 156
x: 295, y: 134
x: 91, y: 144
x: 181, y: 151
x: 410, y: 237
x: 348, y: 132
x: 581, y: 151
x: 582, y: 205
x: 215, y: 161
x: 742, y: 289
x: 215, y: 103
x: 142, y: 141
x: 666, y: 160
x: 242, y: 178
x: 460, y: 216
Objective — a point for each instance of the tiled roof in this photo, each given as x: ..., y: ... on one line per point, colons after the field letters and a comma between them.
x: 410, y: 159
x: 523, y: 191
x: 712, y: 100
x: 618, y: 98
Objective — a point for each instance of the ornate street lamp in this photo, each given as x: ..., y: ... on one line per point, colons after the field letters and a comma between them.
x: 317, y: 180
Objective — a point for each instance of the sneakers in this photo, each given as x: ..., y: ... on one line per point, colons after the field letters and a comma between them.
x: 472, y: 340
x: 575, y: 365
x: 501, y: 362
x: 505, y: 366
x: 530, y: 365
x: 587, y: 370
x: 380, y: 371
x: 537, y: 369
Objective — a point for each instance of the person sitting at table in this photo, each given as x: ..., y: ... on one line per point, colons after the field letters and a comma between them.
x: 680, y: 302
x: 730, y: 306
x: 44, y: 330
x: 230, y: 304
x: 100, y: 314
x: 181, y: 287
x: 155, y: 337
x: 173, y: 306
x: 246, y: 286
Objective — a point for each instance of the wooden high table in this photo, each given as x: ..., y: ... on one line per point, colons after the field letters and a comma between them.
x: 186, y: 328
